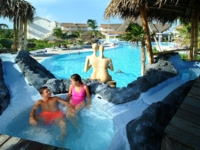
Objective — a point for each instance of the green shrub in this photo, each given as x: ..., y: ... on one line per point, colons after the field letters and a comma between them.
x: 155, y: 50
x: 6, y: 43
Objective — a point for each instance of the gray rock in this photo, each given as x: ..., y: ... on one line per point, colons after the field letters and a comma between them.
x: 146, y: 132
x: 4, y: 92
x: 56, y: 86
x: 39, y: 76
x: 36, y: 74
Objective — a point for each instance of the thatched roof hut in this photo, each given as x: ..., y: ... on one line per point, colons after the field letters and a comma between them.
x: 164, y: 11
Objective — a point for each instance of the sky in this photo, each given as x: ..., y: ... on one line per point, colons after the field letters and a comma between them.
x: 71, y: 11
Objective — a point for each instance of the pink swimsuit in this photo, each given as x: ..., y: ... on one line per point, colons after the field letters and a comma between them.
x: 78, y: 97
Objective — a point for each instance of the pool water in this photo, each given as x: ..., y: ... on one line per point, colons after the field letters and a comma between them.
x: 125, y: 58
x: 96, y: 131
x: 97, y: 126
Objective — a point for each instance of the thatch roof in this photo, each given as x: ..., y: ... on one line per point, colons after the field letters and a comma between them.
x: 163, y: 10
x: 157, y: 28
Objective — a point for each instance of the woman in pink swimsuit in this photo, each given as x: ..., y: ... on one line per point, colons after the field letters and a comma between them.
x: 77, y: 93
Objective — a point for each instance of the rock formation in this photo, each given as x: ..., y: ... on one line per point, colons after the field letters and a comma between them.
x: 4, y: 92
x: 144, y: 132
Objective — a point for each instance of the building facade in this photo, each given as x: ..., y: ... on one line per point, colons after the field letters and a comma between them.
x: 70, y: 27
x: 41, y: 28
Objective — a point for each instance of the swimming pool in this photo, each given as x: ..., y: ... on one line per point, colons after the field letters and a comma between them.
x: 14, y: 120
x: 125, y: 58
x: 97, y: 123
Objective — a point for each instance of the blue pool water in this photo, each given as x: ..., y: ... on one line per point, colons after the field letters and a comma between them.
x: 96, y: 131
x: 125, y: 58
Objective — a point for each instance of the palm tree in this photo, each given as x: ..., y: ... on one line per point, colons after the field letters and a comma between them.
x: 135, y: 33
x: 17, y: 10
x: 93, y: 25
x: 57, y: 32
x: 23, y: 11
x: 2, y: 25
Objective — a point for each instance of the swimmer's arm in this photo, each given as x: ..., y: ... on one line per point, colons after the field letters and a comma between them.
x: 69, y: 95
x: 32, y: 113
x: 88, y: 96
x: 63, y: 102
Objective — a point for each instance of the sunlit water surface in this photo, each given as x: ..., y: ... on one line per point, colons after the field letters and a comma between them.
x: 125, y: 58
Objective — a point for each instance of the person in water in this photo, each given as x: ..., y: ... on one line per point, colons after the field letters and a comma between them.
x: 50, y: 112
x: 119, y: 71
x: 77, y: 94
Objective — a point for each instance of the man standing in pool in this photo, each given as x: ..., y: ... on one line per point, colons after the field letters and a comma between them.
x: 50, y: 111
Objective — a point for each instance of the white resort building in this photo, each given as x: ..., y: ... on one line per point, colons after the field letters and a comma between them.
x: 42, y: 28
x: 70, y: 27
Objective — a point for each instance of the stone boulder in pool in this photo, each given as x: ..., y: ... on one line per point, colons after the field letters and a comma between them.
x: 4, y: 92
x: 146, y: 132
x: 36, y: 74
x: 39, y: 76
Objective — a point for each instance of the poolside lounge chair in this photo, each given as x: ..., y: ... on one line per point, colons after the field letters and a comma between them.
x: 39, y: 53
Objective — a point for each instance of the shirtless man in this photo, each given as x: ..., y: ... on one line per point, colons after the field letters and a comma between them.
x: 50, y: 111
x: 100, y: 65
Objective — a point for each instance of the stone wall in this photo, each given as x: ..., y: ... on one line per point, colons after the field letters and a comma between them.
x: 146, y: 132
x: 38, y: 76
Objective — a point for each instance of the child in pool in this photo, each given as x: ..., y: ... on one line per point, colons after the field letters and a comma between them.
x: 50, y: 111
x: 77, y: 93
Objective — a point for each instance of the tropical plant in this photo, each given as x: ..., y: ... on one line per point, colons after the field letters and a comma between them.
x: 93, y: 25
x: 77, y: 34
x: 20, y: 11
x: 2, y: 25
x: 99, y: 35
x: 185, y: 32
x: 135, y: 33
x: 57, y: 32
x: 1, y: 28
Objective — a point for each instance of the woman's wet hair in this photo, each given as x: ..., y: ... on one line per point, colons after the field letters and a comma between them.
x: 42, y: 89
x: 77, y: 77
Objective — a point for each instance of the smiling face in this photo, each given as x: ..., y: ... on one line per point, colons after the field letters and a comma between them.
x: 74, y: 82
x: 46, y: 93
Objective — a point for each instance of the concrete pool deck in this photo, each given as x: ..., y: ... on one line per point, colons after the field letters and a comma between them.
x: 52, y: 52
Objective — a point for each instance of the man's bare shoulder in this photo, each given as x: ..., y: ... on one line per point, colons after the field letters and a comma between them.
x: 38, y: 102
x: 53, y: 98
x: 56, y: 98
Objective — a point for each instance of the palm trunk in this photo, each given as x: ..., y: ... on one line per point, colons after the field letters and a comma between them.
x: 25, y: 35
x: 195, y: 34
x: 190, y: 56
x: 146, y: 30
x: 143, y: 57
x: 16, y: 29
x: 14, y: 48
x: 21, y: 35
x: 17, y: 33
